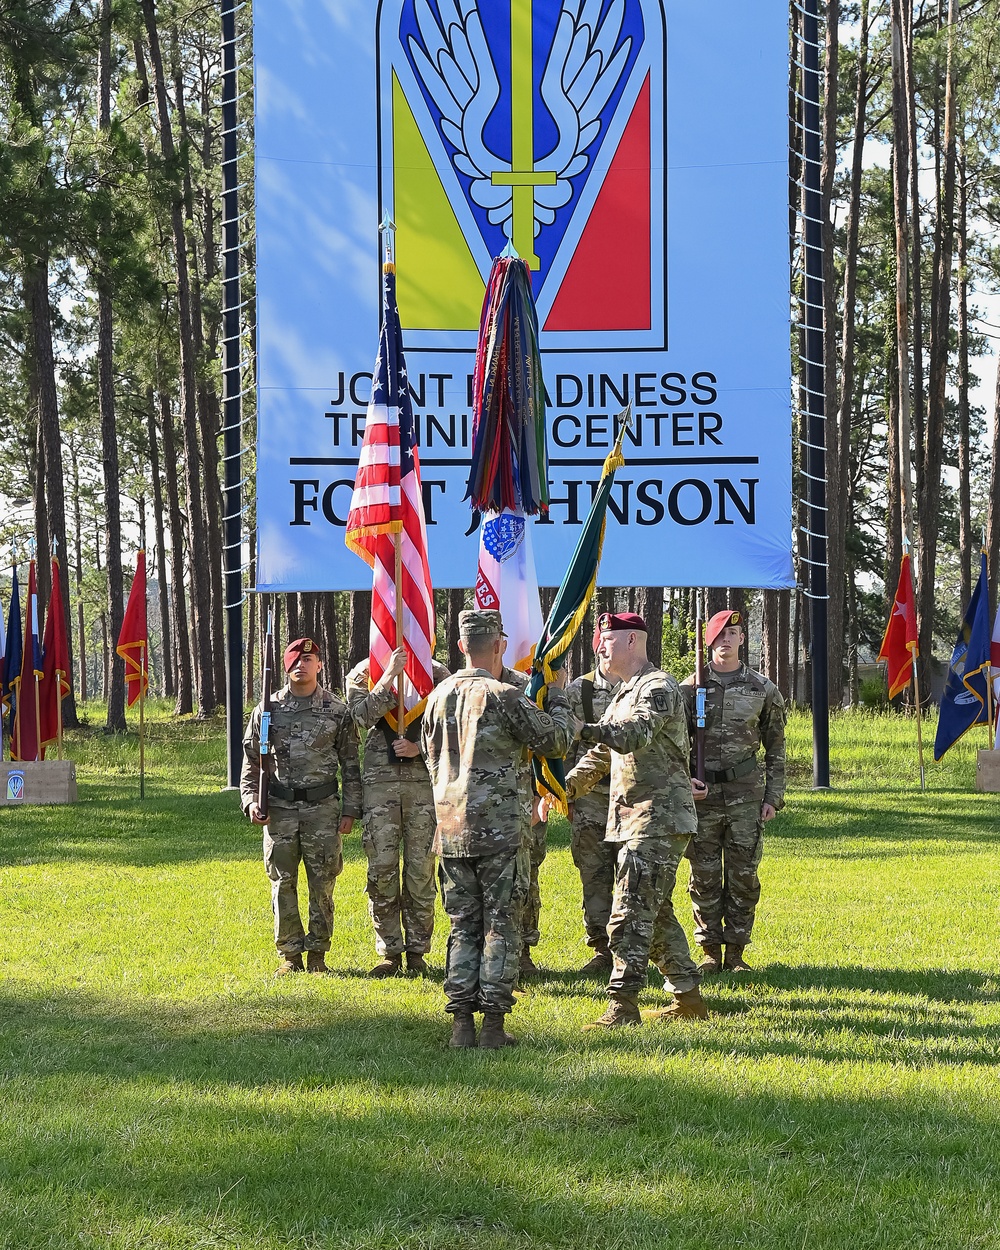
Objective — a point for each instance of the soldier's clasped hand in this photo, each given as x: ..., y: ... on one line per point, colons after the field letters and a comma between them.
x: 405, y: 749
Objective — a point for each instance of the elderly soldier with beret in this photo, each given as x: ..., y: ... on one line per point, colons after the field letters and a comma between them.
x: 397, y: 821
x: 475, y: 728
x: 312, y: 737
x: 642, y: 740
x: 594, y: 857
x: 744, y: 712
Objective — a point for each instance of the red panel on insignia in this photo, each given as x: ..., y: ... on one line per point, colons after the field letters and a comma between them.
x: 607, y: 284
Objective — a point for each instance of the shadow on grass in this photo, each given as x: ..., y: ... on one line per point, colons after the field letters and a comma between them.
x: 316, y: 1126
x: 140, y: 834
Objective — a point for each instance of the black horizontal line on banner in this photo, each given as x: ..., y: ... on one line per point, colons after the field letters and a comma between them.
x: 596, y: 463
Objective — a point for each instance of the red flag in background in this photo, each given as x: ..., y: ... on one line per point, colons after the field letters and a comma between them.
x: 899, y: 646
x: 133, y: 641
x: 24, y: 740
x: 55, y: 685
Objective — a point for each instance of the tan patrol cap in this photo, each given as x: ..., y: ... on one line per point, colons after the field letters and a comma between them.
x: 480, y: 623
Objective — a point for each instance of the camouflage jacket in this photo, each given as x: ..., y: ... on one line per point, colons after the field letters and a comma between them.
x: 740, y: 718
x: 474, y: 732
x: 368, y: 712
x: 592, y: 806
x: 642, y: 740
x: 308, y: 745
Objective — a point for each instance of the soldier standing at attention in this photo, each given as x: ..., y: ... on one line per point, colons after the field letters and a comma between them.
x: 397, y: 821
x: 594, y: 857
x: 312, y: 735
x: 642, y: 740
x: 475, y: 727
x: 743, y: 712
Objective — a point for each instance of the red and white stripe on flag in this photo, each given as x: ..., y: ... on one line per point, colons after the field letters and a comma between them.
x: 387, y: 506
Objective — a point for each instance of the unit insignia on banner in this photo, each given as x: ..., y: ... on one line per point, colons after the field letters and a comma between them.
x: 502, y: 535
x: 538, y: 122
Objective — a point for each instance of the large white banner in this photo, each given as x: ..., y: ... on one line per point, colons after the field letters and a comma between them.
x: 635, y: 153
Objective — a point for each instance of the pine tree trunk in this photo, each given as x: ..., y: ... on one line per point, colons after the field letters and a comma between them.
x: 456, y: 604
x: 183, y: 679
x: 200, y: 557
x: 965, y: 536
x: 161, y: 547
x: 929, y: 488
x: 78, y: 548
x: 359, y: 626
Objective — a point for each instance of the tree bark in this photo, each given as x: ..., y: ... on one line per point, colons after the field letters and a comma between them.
x: 359, y: 626
x: 200, y: 563
x: 965, y: 537
x: 929, y: 488
x: 183, y: 682
x: 161, y: 546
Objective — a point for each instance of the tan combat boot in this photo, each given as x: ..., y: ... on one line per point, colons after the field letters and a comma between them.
x: 288, y: 965
x: 415, y: 962
x: 316, y: 961
x: 712, y: 963
x: 600, y: 964
x: 734, y: 961
x: 527, y: 966
x: 388, y: 967
x: 463, y: 1031
x: 688, y: 1005
x: 620, y: 1012
x: 493, y: 1036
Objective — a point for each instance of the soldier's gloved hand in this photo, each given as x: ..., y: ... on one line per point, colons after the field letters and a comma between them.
x: 767, y: 812
x: 699, y: 790
x: 405, y: 749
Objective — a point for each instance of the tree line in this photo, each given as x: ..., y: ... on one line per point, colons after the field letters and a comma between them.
x: 110, y: 331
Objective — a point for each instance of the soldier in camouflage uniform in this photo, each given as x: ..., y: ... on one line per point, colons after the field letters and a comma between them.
x: 642, y: 740
x: 475, y: 728
x: 312, y: 735
x: 594, y: 857
x: 533, y: 850
x: 397, y: 821
x: 743, y: 713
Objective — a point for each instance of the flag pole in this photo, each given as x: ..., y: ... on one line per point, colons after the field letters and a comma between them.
x: 59, y: 720
x: 142, y: 721
x: 920, y: 737
x: 400, y: 710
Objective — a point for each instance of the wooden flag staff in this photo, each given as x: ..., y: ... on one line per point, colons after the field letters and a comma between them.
x: 916, y: 687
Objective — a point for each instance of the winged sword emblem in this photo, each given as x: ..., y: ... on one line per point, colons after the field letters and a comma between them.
x: 585, y: 61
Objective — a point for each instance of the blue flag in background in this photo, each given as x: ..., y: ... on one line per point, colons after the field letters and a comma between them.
x: 15, y: 643
x: 963, y: 703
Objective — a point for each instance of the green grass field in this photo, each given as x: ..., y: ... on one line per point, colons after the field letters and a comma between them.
x: 158, y: 1088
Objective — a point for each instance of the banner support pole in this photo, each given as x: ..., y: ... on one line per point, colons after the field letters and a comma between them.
x: 231, y: 405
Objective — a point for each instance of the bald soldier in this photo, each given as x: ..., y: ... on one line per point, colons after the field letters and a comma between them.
x: 744, y: 714
x: 397, y: 825
x: 642, y: 741
x: 474, y: 731
x: 312, y: 738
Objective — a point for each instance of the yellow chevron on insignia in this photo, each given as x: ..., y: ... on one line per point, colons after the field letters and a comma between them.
x: 438, y: 284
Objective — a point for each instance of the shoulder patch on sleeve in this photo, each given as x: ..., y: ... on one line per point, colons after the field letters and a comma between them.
x: 660, y: 701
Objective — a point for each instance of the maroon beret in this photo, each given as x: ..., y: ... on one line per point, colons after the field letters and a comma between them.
x: 621, y: 620
x: 301, y: 646
x: 719, y: 622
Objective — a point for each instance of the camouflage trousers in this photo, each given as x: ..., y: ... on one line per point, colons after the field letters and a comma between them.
x: 725, y: 854
x: 643, y: 925
x: 595, y: 861
x: 532, y: 854
x: 483, y: 897
x: 306, y: 834
x: 398, y: 823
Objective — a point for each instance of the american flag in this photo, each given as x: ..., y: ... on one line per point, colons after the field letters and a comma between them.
x: 387, y: 501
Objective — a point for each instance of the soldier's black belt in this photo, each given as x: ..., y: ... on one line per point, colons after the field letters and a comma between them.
x: 731, y: 774
x: 301, y: 794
